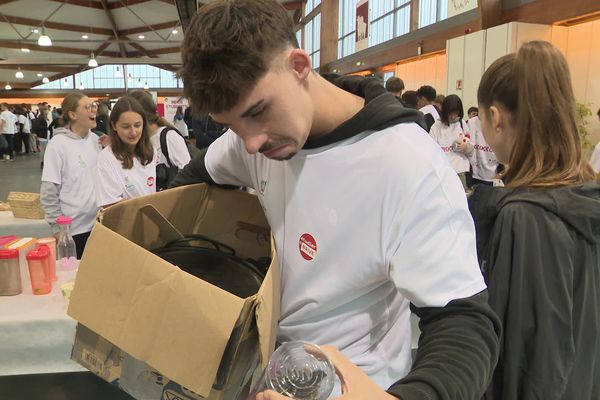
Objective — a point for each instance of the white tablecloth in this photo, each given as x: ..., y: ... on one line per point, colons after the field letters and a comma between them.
x: 9, y: 225
x: 36, y: 335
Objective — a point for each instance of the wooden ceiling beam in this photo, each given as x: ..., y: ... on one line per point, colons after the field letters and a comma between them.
x: 102, y: 47
x: 154, y: 52
x: 149, y: 28
x: 294, y: 5
x: 55, y: 25
x: 52, y: 49
x: 35, y: 68
x: 115, y: 30
x: 83, y: 3
x: 141, y: 49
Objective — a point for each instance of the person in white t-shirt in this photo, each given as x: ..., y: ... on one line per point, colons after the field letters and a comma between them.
x: 8, y: 128
x: 22, y: 137
x: 126, y: 168
x: 68, y: 175
x: 176, y: 147
x: 453, y: 136
x: 425, y: 101
x: 483, y: 159
x: 368, y: 217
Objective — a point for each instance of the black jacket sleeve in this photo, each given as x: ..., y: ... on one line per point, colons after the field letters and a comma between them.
x: 194, y: 172
x: 458, y: 350
x: 531, y: 289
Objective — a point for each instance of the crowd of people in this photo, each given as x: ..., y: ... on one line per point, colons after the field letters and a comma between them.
x: 505, y: 281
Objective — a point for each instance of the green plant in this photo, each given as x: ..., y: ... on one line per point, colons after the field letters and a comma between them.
x: 583, y: 112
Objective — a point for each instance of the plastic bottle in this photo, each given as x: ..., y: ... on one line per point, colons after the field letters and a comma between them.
x: 298, y: 370
x: 65, y: 246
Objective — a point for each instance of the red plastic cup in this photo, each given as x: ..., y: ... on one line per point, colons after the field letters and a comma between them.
x: 38, y: 262
x: 51, y: 243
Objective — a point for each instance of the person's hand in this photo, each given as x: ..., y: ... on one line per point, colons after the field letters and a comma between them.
x: 356, y: 385
x: 104, y: 140
x: 461, y: 146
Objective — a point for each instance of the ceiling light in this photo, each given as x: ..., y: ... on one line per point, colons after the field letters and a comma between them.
x: 45, y: 80
x: 92, y: 63
x: 19, y: 74
x: 81, y: 86
x: 141, y: 36
x: 146, y: 87
x: 139, y: 83
x: 174, y: 31
x: 84, y: 36
x: 118, y: 73
x: 35, y: 30
x: 7, y: 86
x: 66, y: 81
x: 44, y: 40
x: 39, y: 75
x: 25, y: 50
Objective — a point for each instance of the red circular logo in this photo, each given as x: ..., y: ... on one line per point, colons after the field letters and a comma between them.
x: 150, y: 181
x: 307, y: 246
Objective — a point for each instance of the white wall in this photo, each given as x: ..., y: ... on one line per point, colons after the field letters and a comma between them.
x: 427, y: 71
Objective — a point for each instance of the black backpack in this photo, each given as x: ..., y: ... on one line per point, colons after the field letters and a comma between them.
x: 165, y: 173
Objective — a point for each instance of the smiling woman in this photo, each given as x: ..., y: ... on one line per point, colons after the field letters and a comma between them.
x: 127, y: 168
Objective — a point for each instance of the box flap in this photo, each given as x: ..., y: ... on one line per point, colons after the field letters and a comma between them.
x: 151, y: 309
x: 166, y: 231
x: 267, y: 308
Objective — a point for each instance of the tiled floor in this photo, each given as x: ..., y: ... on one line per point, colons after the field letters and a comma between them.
x: 21, y: 175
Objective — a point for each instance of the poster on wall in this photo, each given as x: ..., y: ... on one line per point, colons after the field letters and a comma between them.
x: 362, y: 25
x: 456, y: 7
x: 170, y: 106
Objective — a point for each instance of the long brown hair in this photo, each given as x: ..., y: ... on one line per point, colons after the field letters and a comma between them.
x: 143, y: 149
x: 150, y: 109
x: 534, y: 86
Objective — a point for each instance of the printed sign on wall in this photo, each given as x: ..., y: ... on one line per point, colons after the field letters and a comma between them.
x: 460, y: 6
x: 170, y: 106
x: 362, y: 25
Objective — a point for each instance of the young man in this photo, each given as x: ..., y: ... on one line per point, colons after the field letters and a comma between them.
x: 8, y: 129
x: 395, y: 86
x: 426, y: 96
x: 369, y: 218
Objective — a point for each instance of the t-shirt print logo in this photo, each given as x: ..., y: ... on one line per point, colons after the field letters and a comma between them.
x: 81, y: 161
x: 150, y: 181
x: 307, y: 246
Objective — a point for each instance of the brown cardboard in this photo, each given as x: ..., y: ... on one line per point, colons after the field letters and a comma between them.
x: 151, y: 310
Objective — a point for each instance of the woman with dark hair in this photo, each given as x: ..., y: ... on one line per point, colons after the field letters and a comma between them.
x: 452, y: 134
x: 538, y: 238
x: 126, y: 168
x: 68, y: 175
x: 179, y: 123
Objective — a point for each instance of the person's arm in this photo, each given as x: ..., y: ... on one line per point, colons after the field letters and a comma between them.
x: 178, y: 152
x: 531, y: 289
x: 109, y: 188
x: 49, y: 197
x: 434, y: 265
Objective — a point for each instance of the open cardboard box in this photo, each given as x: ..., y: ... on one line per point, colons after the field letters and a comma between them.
x: 157, y: 331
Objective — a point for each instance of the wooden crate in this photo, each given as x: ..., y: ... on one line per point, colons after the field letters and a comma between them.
x: 26, y: 205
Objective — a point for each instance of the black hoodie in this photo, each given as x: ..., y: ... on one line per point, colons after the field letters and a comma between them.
x: 458, y: 347
x: 540, y: 254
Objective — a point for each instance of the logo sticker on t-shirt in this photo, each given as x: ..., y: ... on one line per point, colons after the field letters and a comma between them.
x: 307, y: 246
x: 81, y: 161
x: 150, y: 181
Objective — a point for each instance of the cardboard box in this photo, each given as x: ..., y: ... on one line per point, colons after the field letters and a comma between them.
x: 157, y: 331
x: 25, y: 205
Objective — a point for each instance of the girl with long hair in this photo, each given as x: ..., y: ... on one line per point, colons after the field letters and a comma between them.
x: 126, y: 168
x: 68, y: 174
x: 452, y: 134
x: 539, y: 237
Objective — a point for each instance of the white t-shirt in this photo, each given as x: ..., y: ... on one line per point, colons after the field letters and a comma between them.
x: 70, y: 162
x: 116, y: 184
x: 445, y: 136
x: 26, y: 123
x: 356, y: 248
x: 430, y: 109
x: 483, y: 159
x: 10, y: 127
x: 178, y: 152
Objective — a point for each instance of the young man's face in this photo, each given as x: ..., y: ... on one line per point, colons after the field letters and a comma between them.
x: 275, y: 118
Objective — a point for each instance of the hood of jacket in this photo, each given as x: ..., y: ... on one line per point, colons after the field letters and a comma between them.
x: 577, y: 206
x: 68, y: 133
x: 381, y: 110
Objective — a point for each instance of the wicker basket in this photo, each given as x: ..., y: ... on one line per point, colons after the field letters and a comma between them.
x: 25, y: 205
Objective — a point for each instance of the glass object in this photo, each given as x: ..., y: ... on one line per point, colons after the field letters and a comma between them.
x: 298, y: 370
x: 65, y: 247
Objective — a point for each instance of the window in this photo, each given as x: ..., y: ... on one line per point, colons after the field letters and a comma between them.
x: 432, y: 11
x: 106, y: 77
x: 310, y: 5
x: 346, y: 28
x: 388, y: 19
x: 312, y: 40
